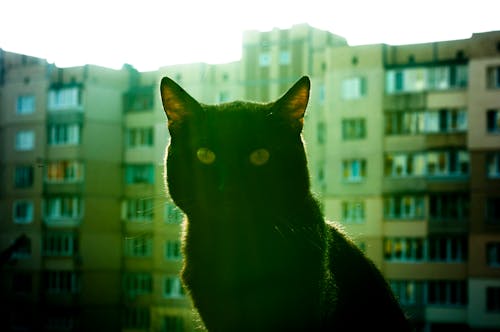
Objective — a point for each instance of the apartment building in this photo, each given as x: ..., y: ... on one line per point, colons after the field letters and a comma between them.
x: 61, y: 174
x: 403, y: 151
x: 403, y: 146
x: 154, y: 297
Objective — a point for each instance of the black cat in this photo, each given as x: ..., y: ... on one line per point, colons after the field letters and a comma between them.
x: 258, y: 254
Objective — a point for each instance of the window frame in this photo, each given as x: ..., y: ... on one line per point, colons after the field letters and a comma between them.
x: 25, y: 104
x: 353, y: 88
x: 352, y: 173
x: 172, y: 287
x: 30, y: 211
x: 25, y: 140
x: 138, y: 246
x: 353, y: 129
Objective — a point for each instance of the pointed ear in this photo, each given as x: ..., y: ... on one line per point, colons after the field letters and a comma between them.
x: 292, y: 105
x: 177, y: 103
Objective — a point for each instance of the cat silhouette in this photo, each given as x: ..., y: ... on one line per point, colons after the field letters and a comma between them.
x: 258, y: 254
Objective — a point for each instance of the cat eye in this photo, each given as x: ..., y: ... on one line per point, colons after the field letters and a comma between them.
x: 205, y: 156
x: 259, y: 157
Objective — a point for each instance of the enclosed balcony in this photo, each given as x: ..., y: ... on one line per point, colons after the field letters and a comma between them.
x: 65, y: 98
x: 139, y: 99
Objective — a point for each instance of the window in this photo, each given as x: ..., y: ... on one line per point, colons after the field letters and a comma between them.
x: 404, y: 249
x: 493, y: 77
x: 447, y: 293
x: 63, y: 207
x: 447, y: 249
x: 222, y: 97
x: 493, y: 121
x: 431, y: 163
x: 136, y: 283
x: 434, y: 249
x: 493, y: 164
x: 353, y: 88
x: 135, y: 174
x: 404, y: 207
x: 59, y: 244
x: 438, y: 77
x: 23, y: 176
x: 139, y: 209
x: 398, y: 80
x: 173, y: 250
x: 139, y: 137
x: 173, y: 214
x: 405, y: 291
x: 321, y: 176
x: 456, y: 120
x: 139, y: 246
x: 64, y: 171
x: 425, y: 79
x: 415, y: 79
x: 25, y: 140
x: 353, y: 211
x: 404, y: 123
x: 64, y: 98
x: 22, y: 247
x: 459, y: 163
x: 353, y: 170
x: 25, y: 104
x: 493, y: 299
x: 321, y: 133
x: 398, y: 165
x: 173, y: 323
x: 447, y: 163
x: 61, y: 282
x: 493, y: 210
x: 173, y: 287
x: 406, y: 80
x: 136, y: 318
x: 264, y: 60
x: 142, y: 99
x: 459, y: 76
x: 437, y: 163
x: 64, y: 134
x: 353, y: 129
x: 23, y: 211
x: 448, y: 207
x: 493, y: 254
x: 322, y: 94
x: 285, y: 58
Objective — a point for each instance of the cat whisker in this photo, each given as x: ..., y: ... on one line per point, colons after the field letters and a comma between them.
x: 279, y: 231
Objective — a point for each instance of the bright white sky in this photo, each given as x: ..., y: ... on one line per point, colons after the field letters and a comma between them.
x: 152, y: 33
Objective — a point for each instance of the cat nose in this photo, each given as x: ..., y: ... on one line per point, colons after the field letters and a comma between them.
x: 229, y: 180
x: 226, y: 185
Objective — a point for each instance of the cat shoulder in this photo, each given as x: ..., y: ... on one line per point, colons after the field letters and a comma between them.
x: 339, y: 233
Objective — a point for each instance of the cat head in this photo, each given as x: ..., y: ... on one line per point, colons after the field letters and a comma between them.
x: 239, y: 154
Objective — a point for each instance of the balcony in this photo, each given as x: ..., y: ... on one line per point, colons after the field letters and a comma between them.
x: 64, y: 99
x: 61, y: 221
x: 63, y: 211
x: 405, y: 101
x: 139, y: 99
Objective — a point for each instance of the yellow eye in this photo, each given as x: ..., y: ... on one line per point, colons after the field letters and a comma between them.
x: 205, y: 156
x: 259, y: 157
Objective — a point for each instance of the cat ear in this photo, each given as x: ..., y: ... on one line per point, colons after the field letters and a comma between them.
x: 292, y: 105
x: 177, y: 103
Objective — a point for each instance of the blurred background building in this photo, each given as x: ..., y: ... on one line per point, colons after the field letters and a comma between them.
x: 403, y: 145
